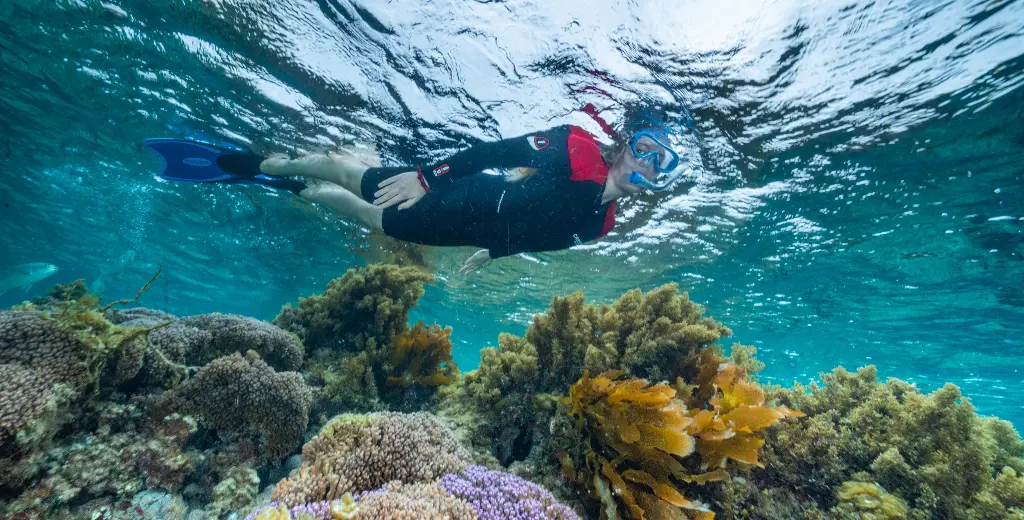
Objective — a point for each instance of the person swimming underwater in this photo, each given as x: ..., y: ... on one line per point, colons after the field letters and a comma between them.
x: 562, y: 195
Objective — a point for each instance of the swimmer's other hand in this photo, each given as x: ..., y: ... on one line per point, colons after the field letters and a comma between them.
x: 479, y: 258
x: 404, y: 188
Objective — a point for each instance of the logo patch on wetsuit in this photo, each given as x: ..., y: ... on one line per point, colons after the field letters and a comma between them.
x: 441, y: 170
x: 538, y: 142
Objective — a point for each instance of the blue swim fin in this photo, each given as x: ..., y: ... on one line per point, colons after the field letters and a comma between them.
x: 193, y: 161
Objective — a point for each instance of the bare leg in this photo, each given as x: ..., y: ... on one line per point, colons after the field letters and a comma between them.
x: 346, y: 202
x: 332, y: 168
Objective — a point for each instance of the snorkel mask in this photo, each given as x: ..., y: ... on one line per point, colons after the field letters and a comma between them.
x: 649, y: 147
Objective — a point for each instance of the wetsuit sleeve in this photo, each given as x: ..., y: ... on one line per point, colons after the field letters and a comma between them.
x: 538, y: 150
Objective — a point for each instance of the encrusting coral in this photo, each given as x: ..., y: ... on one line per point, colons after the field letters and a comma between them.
x: 355, y: 453
x: 244, y: 396
x: 235, y: 490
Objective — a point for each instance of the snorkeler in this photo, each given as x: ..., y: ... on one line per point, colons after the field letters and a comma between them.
x: 562, y: 194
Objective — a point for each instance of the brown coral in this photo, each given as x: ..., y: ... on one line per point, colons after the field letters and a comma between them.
x: 362, y: 452
x: 246, y: 397
x: 35, y: 354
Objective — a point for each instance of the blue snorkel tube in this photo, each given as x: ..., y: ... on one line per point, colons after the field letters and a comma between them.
x: 667, y: 164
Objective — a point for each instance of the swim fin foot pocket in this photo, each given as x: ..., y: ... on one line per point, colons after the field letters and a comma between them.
x: 186, y: 160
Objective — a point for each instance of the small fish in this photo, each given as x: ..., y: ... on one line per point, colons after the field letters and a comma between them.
x: 25, y: 275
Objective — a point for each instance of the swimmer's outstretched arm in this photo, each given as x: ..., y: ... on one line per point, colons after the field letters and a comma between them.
x: 525, y: 151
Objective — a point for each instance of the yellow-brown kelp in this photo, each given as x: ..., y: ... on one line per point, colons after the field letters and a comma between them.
x: 422, y: 357
x: 930, y: 452
x: 642, y: 444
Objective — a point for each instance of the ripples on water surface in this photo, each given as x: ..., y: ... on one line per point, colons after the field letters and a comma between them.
x: 858, y: 196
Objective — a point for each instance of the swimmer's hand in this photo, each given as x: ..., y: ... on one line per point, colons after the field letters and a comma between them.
x: 479, y: 258
x: 404, y: 189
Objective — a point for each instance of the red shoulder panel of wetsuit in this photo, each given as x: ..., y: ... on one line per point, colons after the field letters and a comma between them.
x: 587, y: 164
x: 609, y: 220
x: 585, y: 161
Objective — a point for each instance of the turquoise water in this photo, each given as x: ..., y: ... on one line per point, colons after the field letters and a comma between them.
x: 857, y: 197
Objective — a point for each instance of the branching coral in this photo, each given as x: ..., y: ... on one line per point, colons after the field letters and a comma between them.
x: 496, y: 495
x: 244, y: 396
x: 230, y: 333
x: 361, y: 452
x: 362, y: 310
x: 424, y: 501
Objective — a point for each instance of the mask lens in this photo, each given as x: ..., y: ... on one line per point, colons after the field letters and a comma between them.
x: 654, y: 153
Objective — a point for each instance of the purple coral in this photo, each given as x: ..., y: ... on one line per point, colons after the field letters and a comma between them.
x: 497, y: 495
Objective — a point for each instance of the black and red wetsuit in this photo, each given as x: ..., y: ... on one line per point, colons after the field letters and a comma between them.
x: 557, y: 207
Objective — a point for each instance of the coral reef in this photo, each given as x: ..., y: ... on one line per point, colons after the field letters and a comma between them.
x: 495, y: 495
x: 237, y: 488
x: 363, y: 356
x: 35, y: 355
x: 246, y: 398
x: 868, y: 501
x: 362, y: 310
x: 475, y: 493
x: 930, y: 452
x: 355, y: 453
x: 655, y: 336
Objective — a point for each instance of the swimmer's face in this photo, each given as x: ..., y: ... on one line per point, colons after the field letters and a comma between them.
x: 625, y: 164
